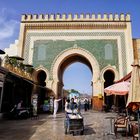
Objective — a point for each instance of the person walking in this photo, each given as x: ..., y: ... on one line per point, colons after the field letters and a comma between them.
x: 67, y: 107
x: 79, y: 104
x: 86, y: 104
x: 55, y: 106
x: 73, y: 106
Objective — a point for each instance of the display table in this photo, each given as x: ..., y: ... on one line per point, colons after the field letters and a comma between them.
x: 111, y: 118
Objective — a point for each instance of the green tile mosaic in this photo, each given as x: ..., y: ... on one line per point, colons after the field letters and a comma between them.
x: 53, y: 48
x: 93, y: 46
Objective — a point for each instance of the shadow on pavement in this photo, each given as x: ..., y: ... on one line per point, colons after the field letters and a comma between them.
x: 89, y: 130
x: 19, y: 129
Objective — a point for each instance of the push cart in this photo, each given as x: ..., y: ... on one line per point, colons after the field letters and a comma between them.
x: 74, y: 123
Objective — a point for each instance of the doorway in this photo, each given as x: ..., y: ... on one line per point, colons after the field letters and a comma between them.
x: 109, y: 80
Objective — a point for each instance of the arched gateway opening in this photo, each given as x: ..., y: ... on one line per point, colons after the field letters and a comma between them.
x: 70, y: 60
x: 109, y: 80
x: 77, y: 78
x: 68, y: 57
x: 40, y: 88
x: 41, y: 77
x: 77, y: 82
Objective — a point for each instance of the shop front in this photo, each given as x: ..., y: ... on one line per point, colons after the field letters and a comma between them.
x: 13, y: 89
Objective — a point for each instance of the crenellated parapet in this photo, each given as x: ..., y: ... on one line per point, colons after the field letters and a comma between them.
x: 75, y: 17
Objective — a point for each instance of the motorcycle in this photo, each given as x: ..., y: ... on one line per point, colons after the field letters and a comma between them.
x: 22, y: 113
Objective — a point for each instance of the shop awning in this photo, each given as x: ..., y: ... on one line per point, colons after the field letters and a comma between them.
x: 8, y: 73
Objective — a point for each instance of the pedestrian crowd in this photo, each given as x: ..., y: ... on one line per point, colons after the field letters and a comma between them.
x: 73, y: 105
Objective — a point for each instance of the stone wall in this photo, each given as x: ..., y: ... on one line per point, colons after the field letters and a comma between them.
x: 97, y: 103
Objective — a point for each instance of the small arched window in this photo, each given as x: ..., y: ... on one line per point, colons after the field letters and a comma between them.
x: 108, y: 52
x: 41, y: 55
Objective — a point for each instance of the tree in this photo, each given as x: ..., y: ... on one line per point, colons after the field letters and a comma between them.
x: 74, y: 91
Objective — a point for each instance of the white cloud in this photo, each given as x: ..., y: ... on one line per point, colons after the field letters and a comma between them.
x: 7, y: 26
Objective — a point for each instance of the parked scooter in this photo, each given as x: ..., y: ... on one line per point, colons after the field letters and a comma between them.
x: 19, y: 113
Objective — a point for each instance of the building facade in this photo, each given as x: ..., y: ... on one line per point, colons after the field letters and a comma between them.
x: 102, y: 42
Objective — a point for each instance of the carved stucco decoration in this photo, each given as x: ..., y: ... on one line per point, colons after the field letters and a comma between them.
x: 75, y: 50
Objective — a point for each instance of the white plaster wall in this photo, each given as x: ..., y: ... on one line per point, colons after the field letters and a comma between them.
x: 21, y: 38
x: 129, y: 47
x: 13, y: 49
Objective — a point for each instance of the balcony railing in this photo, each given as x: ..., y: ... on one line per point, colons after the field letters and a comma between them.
x: 16, y: 66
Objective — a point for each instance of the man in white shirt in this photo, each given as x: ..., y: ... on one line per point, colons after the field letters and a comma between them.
x: 55, y: 106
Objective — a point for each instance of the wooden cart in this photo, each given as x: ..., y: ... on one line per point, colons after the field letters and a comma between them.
x: 74, y: 123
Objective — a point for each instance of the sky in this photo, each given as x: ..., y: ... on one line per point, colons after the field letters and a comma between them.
x: 78, y: 76
x: 11, y: 10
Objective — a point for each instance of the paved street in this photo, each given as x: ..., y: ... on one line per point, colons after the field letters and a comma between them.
x: 48, y: 128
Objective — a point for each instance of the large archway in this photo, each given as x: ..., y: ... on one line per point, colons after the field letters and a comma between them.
x: 69, y: 56
x: 71, y: 60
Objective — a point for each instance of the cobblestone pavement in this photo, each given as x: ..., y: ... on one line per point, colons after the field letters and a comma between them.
x: 48, y: 128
